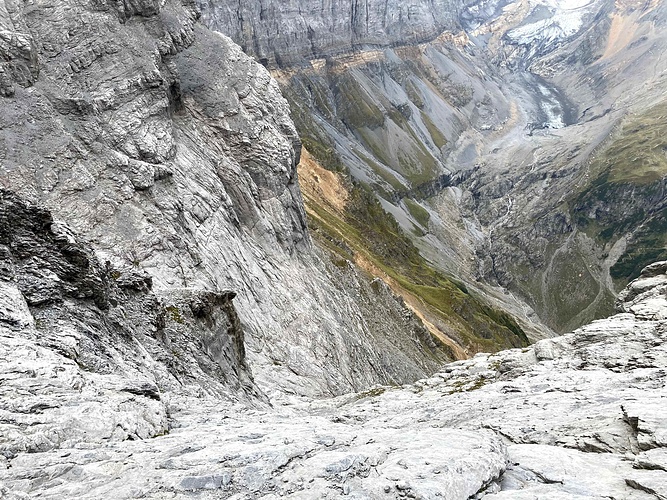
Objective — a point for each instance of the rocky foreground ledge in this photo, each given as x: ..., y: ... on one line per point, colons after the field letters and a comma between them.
x: 579, y: 416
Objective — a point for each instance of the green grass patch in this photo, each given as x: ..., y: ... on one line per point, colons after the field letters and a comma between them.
x: 370, y: 231
x: 639, y: 155
x: 436, y: 135
x: 418, y: 170
x: 414, y: 95
x: 573, y: 286
x: 648, y: 245
x: 418, y: 165
x: 381, y: 172
x: 314, y: 139
x: 355, y: 107
x: 419, y: 213
x: 379, y: 150
x: 325, y: 153
x: 626, y: 194
x: 414, y: 162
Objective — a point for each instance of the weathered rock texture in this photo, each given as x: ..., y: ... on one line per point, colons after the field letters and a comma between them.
x: 90, y: 352
x: 579, y: 416
x: 171, y: 153
x: 157, y: 278
x: 534, y: 109
x: 286, y: 33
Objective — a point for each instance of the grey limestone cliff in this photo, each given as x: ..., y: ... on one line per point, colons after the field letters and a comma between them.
x: 171, y: 153
x: 285, y: 33
x: 167, y: 327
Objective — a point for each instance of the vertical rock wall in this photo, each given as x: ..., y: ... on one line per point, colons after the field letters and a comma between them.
x: 171, y: 152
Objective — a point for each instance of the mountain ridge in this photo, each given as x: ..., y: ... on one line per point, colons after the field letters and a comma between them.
x: 171, y: 330
x: 171, y: 152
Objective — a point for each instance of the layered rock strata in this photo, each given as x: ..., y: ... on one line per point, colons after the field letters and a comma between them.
x: 170, y: 152
x: 286, y: 33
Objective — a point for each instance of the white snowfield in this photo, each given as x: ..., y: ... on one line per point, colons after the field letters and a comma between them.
x: 564, y: 20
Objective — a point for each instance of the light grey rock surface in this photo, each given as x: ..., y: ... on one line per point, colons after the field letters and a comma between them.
x: 90, y: 353
x: 156, y: 279
x: 285, y: 33
x: 579, y: 416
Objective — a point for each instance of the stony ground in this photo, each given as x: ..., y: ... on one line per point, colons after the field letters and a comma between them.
x: 123, y: 368
x: 579, y: 416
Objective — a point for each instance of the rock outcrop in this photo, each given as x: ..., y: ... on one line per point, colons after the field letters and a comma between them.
x: 579, y: 416
x: 91, y: 352
x: 170, y: 152
x: 288, y: 33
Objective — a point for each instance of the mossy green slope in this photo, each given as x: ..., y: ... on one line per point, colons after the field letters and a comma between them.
x: 627, y: 194
x: 366, y: 234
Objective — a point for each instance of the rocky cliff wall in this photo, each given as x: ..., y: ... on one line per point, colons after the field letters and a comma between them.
x: 148, y: 175
x: 170, y: 152
x: 91, y: 352
x: 286, y: 33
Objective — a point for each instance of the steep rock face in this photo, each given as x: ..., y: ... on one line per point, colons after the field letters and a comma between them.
x: 285, y: 33
x: 171, y: 152
x: 389, y: 113
x: 579, y: 416
x: 91, y: 352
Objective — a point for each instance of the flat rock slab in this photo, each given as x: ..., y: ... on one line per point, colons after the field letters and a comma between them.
x: 279, y: 454
x: 579, y: 416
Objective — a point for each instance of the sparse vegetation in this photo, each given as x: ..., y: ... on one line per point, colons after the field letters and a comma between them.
x: 175, y: 314
x: 414, y: 95
x: 312, y: 137
x: 629, y: 175
x: 436, y: 135
x: 370, y: 393
x: 466, y: 385
x: 419, y: 213
x: 326, y: 153
x: 639, y: 155
x: 366, y: 231
x: 381, y: 172
x: 355, y: 108
x: 648, y: 244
